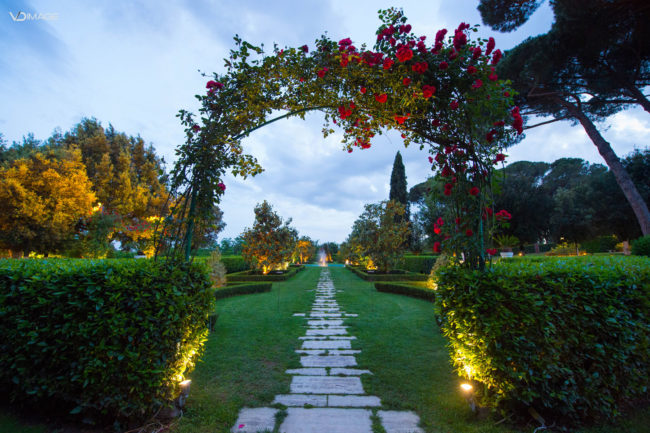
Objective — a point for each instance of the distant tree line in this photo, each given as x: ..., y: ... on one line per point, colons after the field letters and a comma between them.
x: 568, y: 200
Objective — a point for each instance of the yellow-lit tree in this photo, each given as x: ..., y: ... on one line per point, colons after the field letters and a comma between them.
x: 304, y: 250
x: 270, y: 243
x: 41, y: 201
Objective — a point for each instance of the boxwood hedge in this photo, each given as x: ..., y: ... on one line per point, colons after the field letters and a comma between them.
x: 242, y: 289
x: 106, y: 338
x: 401, y: 276
x: 249, y: 276
x: 569, y: 337
x: 418, y: 264
x: 407, y: 290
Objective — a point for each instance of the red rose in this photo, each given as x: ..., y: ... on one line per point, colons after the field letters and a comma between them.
x: 440, y: 35
x: 428, y: 91
x: 477, y: 84
x: 436, y: 229
x: 440, y: 221
x: 496, y: 57
x: 469, y: 232
x: 500, y: 157
x: 476, y: 53
x: 305, y: 49
x: 474, y: 191
x: 471, y: 70
x: 490, y: 46
x: 453, y: 105
x: 406, y: 81
x: 506, y: 94
x: 322, y: 72
x: 363, y: 90
x: 430, y: 160
x: 404, y: 54
x: 381, y: 98
x: 221, y: 186
x: 388, y: 63
x: 196, y: 128
x: 436, y: 247
x: 443, y: 65
x: 490, y: 135
x: 420, y: 67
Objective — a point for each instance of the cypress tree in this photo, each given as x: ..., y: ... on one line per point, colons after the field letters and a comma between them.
x: 398, y: 191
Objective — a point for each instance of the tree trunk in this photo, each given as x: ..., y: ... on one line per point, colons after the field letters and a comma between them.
x: 623, y: 179
x: 640, y: 97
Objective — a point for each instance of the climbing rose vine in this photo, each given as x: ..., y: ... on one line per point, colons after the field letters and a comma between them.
x: 444, y: 97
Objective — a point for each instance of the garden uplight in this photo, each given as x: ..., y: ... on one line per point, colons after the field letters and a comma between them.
x: 466, y: 387
x: 469, y: 395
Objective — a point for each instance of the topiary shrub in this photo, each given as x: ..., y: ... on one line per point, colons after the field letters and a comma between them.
x: 569, y: 337
x: 106, y: 338
x: 641, y: 246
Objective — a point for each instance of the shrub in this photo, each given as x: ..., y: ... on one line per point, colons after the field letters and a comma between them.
x: 242, y: 289
x: 601, y: 244
x: 564, y: 249
x: 418, y: 264
x: 641, y: 246
x: 101, y: 338
x: 234, y: 264
x: 249, y: 276
x: 568, y: 337
x: 388, y: 277
x: 543, y: 248
x: 407, y: 290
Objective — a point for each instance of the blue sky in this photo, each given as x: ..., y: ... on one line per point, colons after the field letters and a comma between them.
x: 135, y: 64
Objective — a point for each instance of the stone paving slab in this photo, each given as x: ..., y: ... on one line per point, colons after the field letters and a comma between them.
x: 326, y: 344
x: 328, y: 361
x: 301, y: 400
x: 255, y: 420
x: 326, y: 385
x: 298, y: 314
x: 399, y: 421
x: 353, y: 401
x: 324, y: 314
x: 348, y: 372
x: 325, y: 322
x: 339, y: 331
x: 308, y: 371
x: 327, y: 420
x: 313, y: 351
x: 343, y: 352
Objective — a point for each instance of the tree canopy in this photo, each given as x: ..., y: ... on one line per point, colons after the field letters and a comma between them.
x: 595, y: 61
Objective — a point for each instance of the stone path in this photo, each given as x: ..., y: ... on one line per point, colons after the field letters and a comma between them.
x: 326, y: 394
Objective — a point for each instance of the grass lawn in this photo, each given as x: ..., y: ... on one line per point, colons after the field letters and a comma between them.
x: 256, y: 335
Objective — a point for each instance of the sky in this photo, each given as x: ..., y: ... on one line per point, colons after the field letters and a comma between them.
x: 135, y: 64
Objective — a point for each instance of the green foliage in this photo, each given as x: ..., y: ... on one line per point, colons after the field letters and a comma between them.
x: 268, y: 245
x: 106, y: 338
x: 242, y: 289
x: 601, y: 244
x: 564, y: 249
x: 567, y: 337
x: 253, y: 276
x: 417, y: 264
x: 407, y: 290
x: 506, y: 241
x: 396, y: 276
x: 380, y: 233
x: 234, y: 264
x: 641, y: 246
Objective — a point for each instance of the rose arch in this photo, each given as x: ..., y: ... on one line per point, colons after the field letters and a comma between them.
x: 442, y: 95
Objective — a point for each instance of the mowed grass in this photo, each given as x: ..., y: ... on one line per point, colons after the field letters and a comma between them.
x: 246, y: 356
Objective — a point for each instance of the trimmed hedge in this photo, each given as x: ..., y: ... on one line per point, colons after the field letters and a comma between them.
x: 418, y: 264
x: 407, y: 290
x: 408, y: 276
x: 641, y: 246
x: 543, y: 248
x: 233, y: 264
x: 248, y: 276
x: 109, y: 338
x: 569, y: 337
x: 242, y: 289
